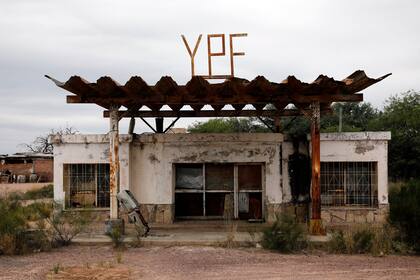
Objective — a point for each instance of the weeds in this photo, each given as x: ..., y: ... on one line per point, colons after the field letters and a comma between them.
x: 118, y: 257
x: 65, y: 225
x: 377, y: 241
x: 285, y: 235
x: 116, y: 236
x: 405, y: 212
x: 56, y: 268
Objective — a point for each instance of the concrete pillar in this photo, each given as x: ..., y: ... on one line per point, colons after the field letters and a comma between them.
x: 114, y: 161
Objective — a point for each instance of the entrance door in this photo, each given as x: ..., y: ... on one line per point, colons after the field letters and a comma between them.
x: 218, y: 190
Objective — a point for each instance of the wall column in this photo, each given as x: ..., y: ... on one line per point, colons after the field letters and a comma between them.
x: 114, y: 161
x: 315, y: 224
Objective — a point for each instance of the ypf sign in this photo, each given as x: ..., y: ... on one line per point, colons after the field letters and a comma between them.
x: 210, y: 53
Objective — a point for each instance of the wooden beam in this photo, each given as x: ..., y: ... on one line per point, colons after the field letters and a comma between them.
x: 213, y: 99
x: 206, y: 113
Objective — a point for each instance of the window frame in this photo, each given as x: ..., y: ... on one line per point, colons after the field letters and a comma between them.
x: 345, y: 176
x: 67, y: 177
x: 235, y: 190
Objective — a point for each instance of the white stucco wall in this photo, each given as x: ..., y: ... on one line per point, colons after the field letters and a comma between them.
x: 87, y: 149
x: 147, y: 160
x: 153, y: 157
x: 360, y: 146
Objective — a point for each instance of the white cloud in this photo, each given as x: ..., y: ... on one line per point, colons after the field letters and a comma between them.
x: 124, y: 38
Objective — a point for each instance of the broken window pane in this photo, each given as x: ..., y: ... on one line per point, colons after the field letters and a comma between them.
x: 189, y: 176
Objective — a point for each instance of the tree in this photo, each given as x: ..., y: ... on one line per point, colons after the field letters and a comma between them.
x: 227, y: 125
x: 41, y: 144
x: 355, y: 117
x: 401, y: 116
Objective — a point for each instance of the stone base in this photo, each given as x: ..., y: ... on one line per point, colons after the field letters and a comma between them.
x: 298, y: 210
x: 341, y: 216
x: 158, y: 213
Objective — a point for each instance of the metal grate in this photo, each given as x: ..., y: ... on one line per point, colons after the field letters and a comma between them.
x: 349, y: 184
x: 87, y: 185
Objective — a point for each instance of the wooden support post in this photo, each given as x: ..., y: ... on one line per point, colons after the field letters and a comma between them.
x: 114, y: 161
x: 132, y: 125
x: 277, y: 124
x: 159, y: 125
x: 315, y: 226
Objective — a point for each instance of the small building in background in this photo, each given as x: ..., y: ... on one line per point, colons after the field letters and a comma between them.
x: 26, y: 168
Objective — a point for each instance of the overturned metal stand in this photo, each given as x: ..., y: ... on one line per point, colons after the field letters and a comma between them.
x: 127, y: 200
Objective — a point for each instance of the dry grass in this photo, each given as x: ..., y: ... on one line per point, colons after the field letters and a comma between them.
x: 102, y: 271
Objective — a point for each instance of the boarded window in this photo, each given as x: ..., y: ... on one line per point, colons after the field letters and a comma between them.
x: 349, y: 183
x: 86, y: 185
x: 250, y: 192
x: 219, y: 176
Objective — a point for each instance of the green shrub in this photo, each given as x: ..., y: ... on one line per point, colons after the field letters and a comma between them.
x: 16, y: 236
x: 285, y: 235
x: 337, y: 243
x: 363, y: 241
x: 12, y: 224
x: 405, y: 212
x: 45, y: 192
x: 116, y: 236
x: 64, y: 225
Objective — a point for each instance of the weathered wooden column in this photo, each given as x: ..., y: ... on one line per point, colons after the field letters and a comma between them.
x: 114, y: 161
x: 315, y: 224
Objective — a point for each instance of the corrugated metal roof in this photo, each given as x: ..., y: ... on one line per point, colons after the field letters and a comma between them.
x: 198, y: 92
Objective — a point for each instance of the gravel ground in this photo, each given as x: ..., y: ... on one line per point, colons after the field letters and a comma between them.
x: 211, y: 263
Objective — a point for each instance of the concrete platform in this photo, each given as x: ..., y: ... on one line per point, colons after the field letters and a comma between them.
x: 179, y: 238
x: 190, y: 236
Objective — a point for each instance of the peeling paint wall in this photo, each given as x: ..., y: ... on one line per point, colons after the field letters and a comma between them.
x: 147, y: 160
x: 153, y: 157
x: 360, y: 146
x: 86, y: 149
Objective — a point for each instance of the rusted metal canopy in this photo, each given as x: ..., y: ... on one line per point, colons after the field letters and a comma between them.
x: 198, y: 92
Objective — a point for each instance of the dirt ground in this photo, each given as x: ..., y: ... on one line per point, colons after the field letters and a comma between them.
x: 202, y: 263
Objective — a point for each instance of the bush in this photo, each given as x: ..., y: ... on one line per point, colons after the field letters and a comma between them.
x: 405, y: 212
x: 285, y: 235
x: 374, y: 240
x: 363, y: 241
x: 117, y: 237
x: 45, y: 192
x: 64, y: 225
x: 16, y: 236
x: 338, y: 242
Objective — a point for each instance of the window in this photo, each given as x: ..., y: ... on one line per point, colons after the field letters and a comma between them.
x: 210, y: 190
x: 86, y: 185
x: 349, y: 184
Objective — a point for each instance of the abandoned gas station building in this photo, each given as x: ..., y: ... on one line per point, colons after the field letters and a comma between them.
x: 182, y: 176
x: 248, y: 176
